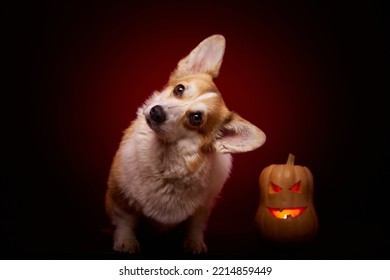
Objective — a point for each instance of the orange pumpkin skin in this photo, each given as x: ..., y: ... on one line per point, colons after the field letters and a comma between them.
x: 286, y: 211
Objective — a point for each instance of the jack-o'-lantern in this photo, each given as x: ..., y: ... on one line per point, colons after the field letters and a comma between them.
x: 286, y: 211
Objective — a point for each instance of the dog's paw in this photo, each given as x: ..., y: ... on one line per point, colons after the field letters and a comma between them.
x: 127, y: 246
x: 195, y: 246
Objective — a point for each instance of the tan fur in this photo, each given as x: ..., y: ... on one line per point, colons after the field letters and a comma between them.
x: 169, y: 168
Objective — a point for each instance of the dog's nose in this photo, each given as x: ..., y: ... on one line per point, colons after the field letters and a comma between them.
x: 157, y: 114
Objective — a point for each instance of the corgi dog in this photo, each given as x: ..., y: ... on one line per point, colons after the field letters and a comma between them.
x: 175, y: 157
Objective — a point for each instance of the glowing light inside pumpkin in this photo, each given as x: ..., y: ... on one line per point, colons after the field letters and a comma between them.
x: 285, y: 213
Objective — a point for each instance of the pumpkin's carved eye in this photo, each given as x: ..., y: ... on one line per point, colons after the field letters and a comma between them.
x: 296, y: 187
x: 274, y: 188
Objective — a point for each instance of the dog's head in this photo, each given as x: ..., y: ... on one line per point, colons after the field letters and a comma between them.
x: 191, y: 107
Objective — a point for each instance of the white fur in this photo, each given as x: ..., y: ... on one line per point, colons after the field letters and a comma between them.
x: 167, y: 176
x: 205, y: 96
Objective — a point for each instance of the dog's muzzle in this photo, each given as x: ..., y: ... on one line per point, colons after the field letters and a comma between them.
x: 157, y: 115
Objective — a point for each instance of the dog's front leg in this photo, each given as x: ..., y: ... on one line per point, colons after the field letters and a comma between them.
x: 196, y: 225
x: 125, y: 239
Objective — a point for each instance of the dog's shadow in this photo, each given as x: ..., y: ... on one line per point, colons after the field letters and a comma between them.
x: 156, y: 244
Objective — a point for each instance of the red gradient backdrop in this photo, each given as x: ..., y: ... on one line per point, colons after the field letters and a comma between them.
x: 118, y: 57
x: 290, y: 69
x: 117, y: 60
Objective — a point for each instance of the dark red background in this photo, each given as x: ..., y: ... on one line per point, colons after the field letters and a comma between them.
x: 309, y: 75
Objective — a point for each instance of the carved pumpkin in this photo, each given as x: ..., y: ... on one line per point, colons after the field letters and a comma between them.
x: 286, y: 212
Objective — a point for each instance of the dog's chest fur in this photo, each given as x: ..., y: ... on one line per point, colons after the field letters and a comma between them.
x: 168, y: 182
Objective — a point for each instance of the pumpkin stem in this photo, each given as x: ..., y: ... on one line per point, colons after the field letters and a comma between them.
x: 290, y: 159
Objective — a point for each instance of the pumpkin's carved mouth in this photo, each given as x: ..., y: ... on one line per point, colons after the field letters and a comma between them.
x: 285, y: 213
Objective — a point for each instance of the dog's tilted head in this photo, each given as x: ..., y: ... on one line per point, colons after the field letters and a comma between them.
x: 191, y: 107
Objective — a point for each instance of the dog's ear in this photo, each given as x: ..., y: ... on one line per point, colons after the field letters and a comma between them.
x: 205, y: 58
x: 238, y: 135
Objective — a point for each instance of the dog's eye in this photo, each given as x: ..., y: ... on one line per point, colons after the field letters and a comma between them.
x: 196, y: 119
x: 178, y: 90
